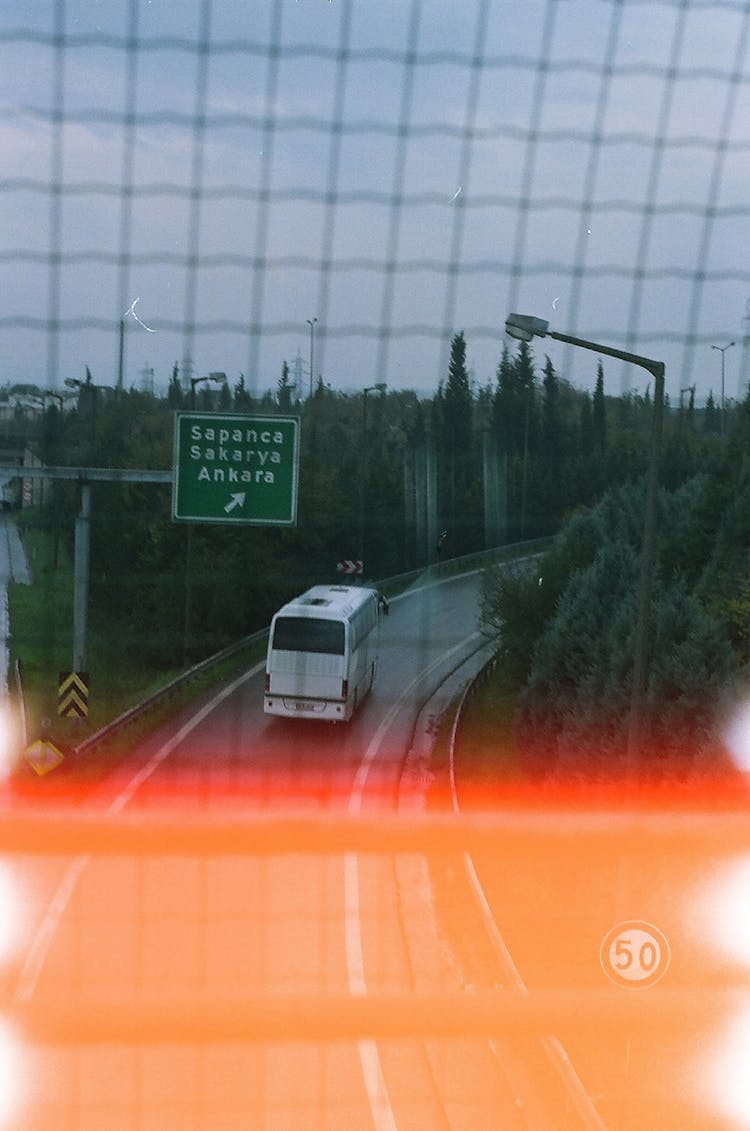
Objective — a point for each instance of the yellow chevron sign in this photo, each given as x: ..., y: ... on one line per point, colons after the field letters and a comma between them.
x: 73, y: 695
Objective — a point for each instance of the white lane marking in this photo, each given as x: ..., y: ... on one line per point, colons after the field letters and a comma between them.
x: 164, y: 751
x: 369, y: 1057
x: 355, y: 964
x: 553, y: 1048
x: 42, y: 940
x: 377, y: 1092
x: 40, y: 944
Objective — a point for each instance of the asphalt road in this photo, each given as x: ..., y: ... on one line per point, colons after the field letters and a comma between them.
x: 96, y: 935
x: 215, y: 989
x: 650, y: 932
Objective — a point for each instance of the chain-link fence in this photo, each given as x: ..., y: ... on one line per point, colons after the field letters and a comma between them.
x: 345, y: 187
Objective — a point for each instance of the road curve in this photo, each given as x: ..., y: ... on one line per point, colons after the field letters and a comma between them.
x: 636, y: 912
x: 155, y: 937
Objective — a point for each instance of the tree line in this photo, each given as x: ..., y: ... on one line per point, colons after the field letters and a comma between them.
x: 491, y: 463
x: 567, y: 628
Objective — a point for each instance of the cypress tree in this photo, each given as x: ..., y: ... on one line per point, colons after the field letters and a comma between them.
x: 587, y: 425
x: 458, y: 400
x: 711, y: 418
x: 456, y: 429
x: 599, y: 412
x: 551, y: 455
x: 503, y: 405
x: 551, y: 423
x: 284, y: 390
x: 174, y: 392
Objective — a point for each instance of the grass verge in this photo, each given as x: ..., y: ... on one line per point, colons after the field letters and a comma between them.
x: 41, y: 620
x: 487, y: 753
x: 96, y: 762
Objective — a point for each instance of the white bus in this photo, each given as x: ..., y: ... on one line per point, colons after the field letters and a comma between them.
x: 322, y: 653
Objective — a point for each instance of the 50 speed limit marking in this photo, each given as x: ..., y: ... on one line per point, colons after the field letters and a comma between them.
x: 634, y: 954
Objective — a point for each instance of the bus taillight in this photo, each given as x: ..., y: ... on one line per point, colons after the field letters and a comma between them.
x: 344, y: 688
x: 268, y: 682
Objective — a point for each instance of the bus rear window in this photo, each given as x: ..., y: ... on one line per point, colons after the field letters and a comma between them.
x: 308, y: 634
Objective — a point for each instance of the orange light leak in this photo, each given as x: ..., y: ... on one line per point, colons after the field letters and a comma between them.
x: 215, y: 945
x: 308, y: 774
x: 13, y: 1078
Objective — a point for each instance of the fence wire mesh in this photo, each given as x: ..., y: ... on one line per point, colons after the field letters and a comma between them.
x: 224, y: 186
x: 377, y: 179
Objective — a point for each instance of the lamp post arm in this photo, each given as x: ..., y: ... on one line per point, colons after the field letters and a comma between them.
x: 648, y: 552
x: 655, y: 368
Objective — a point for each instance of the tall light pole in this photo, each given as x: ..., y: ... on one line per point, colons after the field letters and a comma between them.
x: 380, y: 387
x: 187, y: 626
x: 722, y: 350
x: 311, y: 323
x: 120, y: 357
x: 525, y: 327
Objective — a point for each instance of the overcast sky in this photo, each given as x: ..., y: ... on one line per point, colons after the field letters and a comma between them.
x: 398, y: 171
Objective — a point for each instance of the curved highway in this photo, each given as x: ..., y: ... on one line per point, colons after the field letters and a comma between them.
x: 216, y: 989
x: 98, y: 938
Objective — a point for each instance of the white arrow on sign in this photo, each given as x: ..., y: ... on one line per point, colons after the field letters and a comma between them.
x: 236, y: 500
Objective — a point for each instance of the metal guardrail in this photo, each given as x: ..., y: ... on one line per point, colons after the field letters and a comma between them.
x: 140, y: 709
x: 481, y: 677
x: 462, y: 564
x: 471, y: 689
x: 388, y: 586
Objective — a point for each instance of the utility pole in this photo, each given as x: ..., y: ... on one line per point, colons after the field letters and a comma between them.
x: 85, y: 476
x: 722, y: 350
x: 121, y: 356
x: 311, y: 323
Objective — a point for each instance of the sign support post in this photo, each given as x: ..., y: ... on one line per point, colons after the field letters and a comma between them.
x: 84, y: 476
x: 81, y: 579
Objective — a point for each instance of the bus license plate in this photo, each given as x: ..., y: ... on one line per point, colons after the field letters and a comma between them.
x: 301, y: 705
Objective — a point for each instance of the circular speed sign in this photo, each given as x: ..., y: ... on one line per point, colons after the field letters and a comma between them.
x: 634, y: 954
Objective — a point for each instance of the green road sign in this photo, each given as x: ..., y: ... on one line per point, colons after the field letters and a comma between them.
x: 233, y: 468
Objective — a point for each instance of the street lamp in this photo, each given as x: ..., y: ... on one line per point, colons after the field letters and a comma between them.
x: 215, y: 378
x: 311, y: 323
x: 379, y: 387
x: 524, y: 327
x: 722, y: 350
